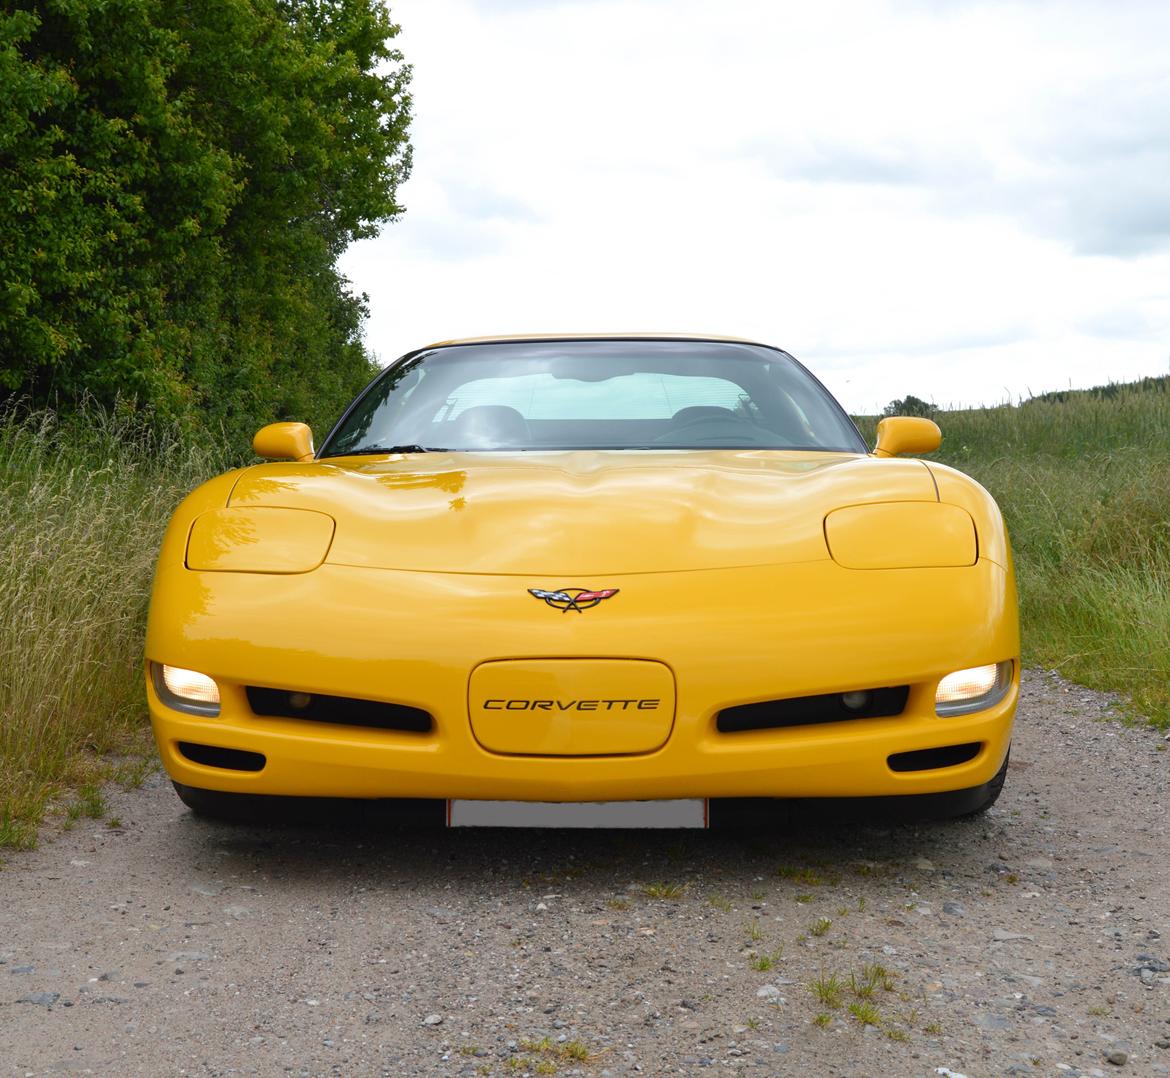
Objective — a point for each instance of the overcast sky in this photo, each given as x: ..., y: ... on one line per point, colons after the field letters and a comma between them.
x: 967, y: 201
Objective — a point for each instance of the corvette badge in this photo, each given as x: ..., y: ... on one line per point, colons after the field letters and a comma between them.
x: 566, y: 599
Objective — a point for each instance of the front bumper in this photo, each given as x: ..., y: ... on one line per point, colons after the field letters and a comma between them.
x: 730, y: 636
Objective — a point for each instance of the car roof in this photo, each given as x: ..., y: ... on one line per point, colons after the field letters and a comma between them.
x: 506, y: 337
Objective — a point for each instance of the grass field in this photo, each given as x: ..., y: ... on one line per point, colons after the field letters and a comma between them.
x: 1082, y: 479
x: 84, y: 509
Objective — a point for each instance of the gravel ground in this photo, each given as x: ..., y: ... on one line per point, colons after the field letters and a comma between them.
x: 1035, y: 940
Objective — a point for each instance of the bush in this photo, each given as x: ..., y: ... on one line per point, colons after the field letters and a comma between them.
x: 179, y: 179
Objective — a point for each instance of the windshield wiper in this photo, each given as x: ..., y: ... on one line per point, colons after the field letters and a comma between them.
x: 370, y: 449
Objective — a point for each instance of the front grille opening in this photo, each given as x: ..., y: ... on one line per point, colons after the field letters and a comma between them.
x: 341, y: 710
x: 929, y: 759
x: 810, y: 710
x: 228, y: 759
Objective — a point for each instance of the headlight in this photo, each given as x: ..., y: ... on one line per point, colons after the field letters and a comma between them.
x: 901, y: 535
x: 259, y: 539
x: 973, y: 689
x: 185, y: 690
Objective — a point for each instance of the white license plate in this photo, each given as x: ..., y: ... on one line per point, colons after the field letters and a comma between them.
x: 691, y: 812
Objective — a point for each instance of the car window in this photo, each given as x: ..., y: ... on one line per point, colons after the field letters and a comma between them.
x: 595, y: 394
x: 644, y: 395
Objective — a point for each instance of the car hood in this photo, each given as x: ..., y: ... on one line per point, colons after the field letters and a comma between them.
x: 569, y: 515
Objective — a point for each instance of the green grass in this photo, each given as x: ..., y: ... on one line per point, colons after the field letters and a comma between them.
x: 828, y: 990
x: 1081, y: 478
x: 866, y: 1013
x: 761, y: 963
x: 84, y: 507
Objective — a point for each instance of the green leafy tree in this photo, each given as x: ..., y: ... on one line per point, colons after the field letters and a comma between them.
x: 911, y: 406
x: 177, y: 181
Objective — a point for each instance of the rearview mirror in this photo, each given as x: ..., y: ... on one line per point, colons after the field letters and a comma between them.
x: 906, y: 434
x: 284, y: 441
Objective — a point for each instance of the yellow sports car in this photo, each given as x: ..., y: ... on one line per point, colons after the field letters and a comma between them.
x: 620, y: 578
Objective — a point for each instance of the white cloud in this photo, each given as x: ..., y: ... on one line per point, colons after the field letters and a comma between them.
x: 963, y: 201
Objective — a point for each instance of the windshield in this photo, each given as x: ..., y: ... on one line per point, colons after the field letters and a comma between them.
x: 594, y: 394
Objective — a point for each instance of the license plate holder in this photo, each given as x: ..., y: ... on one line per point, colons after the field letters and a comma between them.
x: 666, y: 814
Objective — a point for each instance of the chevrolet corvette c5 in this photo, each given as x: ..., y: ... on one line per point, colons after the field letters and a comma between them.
x: 587, y: 570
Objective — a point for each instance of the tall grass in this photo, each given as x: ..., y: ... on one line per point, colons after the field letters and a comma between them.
x: 82, y: 510
x: 1084, y: 483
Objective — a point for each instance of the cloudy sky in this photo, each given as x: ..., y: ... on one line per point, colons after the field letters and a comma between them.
x: 967, y: 201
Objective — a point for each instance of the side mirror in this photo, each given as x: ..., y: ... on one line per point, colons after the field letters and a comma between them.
x: 906, y: 434
x: 284, y: 441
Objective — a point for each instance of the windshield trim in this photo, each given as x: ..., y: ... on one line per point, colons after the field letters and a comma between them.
x: 490, y: 342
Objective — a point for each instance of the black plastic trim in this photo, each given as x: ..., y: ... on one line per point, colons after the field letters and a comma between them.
x: 932, y: 759
x: 227, y: 759
x: 810, y: 710
x: 339, y: 710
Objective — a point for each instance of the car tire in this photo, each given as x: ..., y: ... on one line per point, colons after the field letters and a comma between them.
x: 993, y: 789
x: 217, y: 805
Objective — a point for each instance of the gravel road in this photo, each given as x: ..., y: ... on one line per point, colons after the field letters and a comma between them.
x: 1034, y: 941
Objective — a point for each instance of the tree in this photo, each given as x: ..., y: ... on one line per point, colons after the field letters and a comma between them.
x: 177, y: 181
x: 911, y: 406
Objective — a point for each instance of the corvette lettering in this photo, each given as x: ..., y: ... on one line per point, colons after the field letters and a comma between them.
x: 571, y: 705
x: 566, y: 599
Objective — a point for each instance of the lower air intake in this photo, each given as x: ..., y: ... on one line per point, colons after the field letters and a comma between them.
x: 228, y: 759
x: 340, y: 710
x: 810, y: 710
x: 930, y: 759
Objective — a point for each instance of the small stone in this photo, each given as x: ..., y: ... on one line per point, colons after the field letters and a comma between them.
x: 22, y: 969
x: 40, y: 999
x: 1117, y: 1057
x: 432, y: 1019
x: 770, y: 993
x: 955, y: 909
x: 1002, y: 935
x: 1148, y: 961
x: 540, y: 907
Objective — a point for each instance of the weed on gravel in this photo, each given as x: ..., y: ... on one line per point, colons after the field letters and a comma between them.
x: 761, y: 963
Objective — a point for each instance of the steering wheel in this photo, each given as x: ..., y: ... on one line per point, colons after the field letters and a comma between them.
x: 713, y: 430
